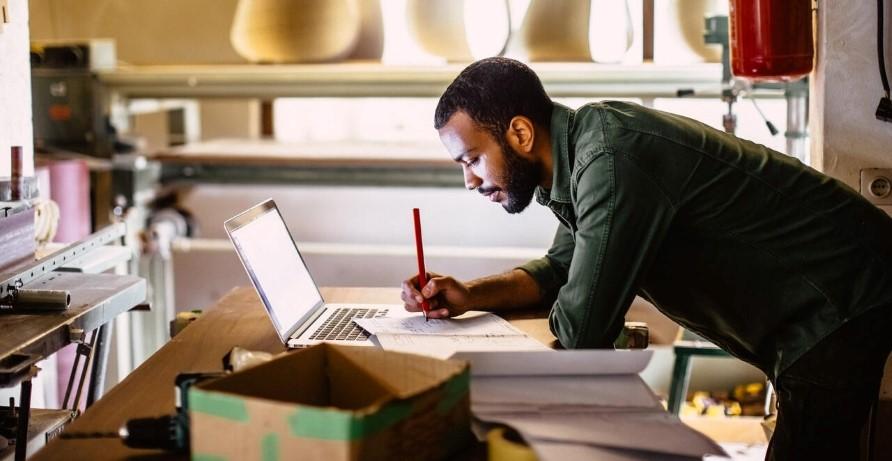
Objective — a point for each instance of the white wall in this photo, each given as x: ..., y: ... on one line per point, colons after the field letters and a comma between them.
x: 846, y: 137
x: 359, y: 215
x: 15, y: 130
x: 15, y: 87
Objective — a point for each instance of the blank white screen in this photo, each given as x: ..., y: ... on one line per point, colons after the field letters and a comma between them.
x: 277, y: 270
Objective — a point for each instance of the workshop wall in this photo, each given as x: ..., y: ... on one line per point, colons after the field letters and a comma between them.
x: 15, y: 85
x: 846, y: 136
x: 145, y: 31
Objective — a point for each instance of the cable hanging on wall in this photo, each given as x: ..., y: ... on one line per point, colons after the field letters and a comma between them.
x: 884, y: 109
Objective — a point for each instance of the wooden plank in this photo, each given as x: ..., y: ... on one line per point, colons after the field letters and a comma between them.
x: 238, y: 319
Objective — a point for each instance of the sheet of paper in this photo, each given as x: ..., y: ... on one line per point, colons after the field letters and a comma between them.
x: 654, y: 431
x: 557, y: 451
x: 469, y: 324
x: 442, y: 346
x: 628, y: 391
x: 555, y: 363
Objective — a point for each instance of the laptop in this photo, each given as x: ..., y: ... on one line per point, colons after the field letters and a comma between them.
x: 292, y: 299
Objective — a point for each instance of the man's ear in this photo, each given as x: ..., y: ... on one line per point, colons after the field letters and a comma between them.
x: 521, y: 134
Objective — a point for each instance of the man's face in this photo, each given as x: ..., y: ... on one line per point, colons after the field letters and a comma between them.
x: 493, y: 167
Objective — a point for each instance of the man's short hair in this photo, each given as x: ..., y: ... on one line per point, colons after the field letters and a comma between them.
x: 492, y: 91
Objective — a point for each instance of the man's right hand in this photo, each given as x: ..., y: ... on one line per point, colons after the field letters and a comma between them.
x: 446, y: 296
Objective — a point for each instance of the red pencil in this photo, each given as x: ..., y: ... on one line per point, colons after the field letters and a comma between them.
x: 419, y: 251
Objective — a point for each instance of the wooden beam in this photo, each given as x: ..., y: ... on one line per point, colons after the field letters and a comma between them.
x: 648, y: 30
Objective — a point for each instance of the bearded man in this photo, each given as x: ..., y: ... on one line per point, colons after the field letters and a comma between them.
x: 774, y: 262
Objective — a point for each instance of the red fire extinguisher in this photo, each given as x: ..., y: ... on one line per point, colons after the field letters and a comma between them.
x: 772, y: 39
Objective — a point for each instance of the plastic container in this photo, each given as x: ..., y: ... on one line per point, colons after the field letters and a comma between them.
x: 772, y: 39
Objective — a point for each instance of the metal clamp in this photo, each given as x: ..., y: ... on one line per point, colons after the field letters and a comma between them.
x: 17, y: 367
x: 76, y: 335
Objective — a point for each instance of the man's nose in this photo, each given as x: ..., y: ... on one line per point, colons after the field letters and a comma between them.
x: 471, y: 181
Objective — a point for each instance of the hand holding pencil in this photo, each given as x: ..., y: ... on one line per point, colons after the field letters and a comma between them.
x: 435, y: 295
x: 419, y: 251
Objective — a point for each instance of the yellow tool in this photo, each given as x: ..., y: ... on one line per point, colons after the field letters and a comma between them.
x: 505, y: 444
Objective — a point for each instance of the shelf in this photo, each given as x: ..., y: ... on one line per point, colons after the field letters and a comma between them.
x: 43, y: 425
x: 355, y: 163
x: 95, y: 300
x: 359, y: 79
x: 268, y: 152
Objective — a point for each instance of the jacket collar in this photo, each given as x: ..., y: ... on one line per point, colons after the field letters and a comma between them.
x: 561, y: 121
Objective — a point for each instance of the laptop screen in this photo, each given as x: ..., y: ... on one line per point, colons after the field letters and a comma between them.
x: 276, y: 268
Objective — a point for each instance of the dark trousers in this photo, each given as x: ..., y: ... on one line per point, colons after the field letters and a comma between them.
x: 824, y: 398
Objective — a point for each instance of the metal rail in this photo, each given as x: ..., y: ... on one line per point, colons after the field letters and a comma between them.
x: 366, y: 79
x: 13, y: 281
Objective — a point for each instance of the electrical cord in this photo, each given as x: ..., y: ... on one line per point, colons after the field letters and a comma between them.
x: 771, y: 128
x: 46, y: 220
x: 881, y: 54
x: 884, y: 109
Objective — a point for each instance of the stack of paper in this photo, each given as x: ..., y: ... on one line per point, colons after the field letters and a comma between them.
x: 441, y: 338
x: 584, y: 404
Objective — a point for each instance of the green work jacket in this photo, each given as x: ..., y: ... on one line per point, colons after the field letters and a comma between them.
x: 745, y: 246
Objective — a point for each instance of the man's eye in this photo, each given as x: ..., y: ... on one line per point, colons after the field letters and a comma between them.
x: 472, y: 161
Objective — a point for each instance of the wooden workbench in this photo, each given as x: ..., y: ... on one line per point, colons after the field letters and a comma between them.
x: 238, y: 319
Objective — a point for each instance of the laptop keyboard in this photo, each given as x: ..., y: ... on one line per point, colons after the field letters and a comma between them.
x: 340, y: 326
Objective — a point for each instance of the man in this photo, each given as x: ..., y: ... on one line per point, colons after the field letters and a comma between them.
x: 779, y: 265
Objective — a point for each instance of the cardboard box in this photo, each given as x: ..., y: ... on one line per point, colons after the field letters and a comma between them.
x: 334, y: 403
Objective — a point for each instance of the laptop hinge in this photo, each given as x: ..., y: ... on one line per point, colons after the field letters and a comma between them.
x: 319, y: 310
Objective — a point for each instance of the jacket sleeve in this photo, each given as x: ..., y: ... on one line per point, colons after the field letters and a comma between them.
x: 621, y: 219
x: 550, y: 271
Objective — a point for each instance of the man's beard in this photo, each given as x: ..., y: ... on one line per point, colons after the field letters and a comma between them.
x: 520, y: 179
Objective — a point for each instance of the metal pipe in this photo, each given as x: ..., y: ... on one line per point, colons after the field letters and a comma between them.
x: 21, y: 442
x: 88, y: 361
x: 186, y: 245
x: 71, y: 378
x: 43, y: 300
x: 796, y: 95
x: 100, y: 361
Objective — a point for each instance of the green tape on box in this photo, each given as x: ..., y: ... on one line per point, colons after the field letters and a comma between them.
x: 337, y: 425
x: 219, y: 405
x: 453, y: 391
x: 269, y: 447
x: 206, y: 457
